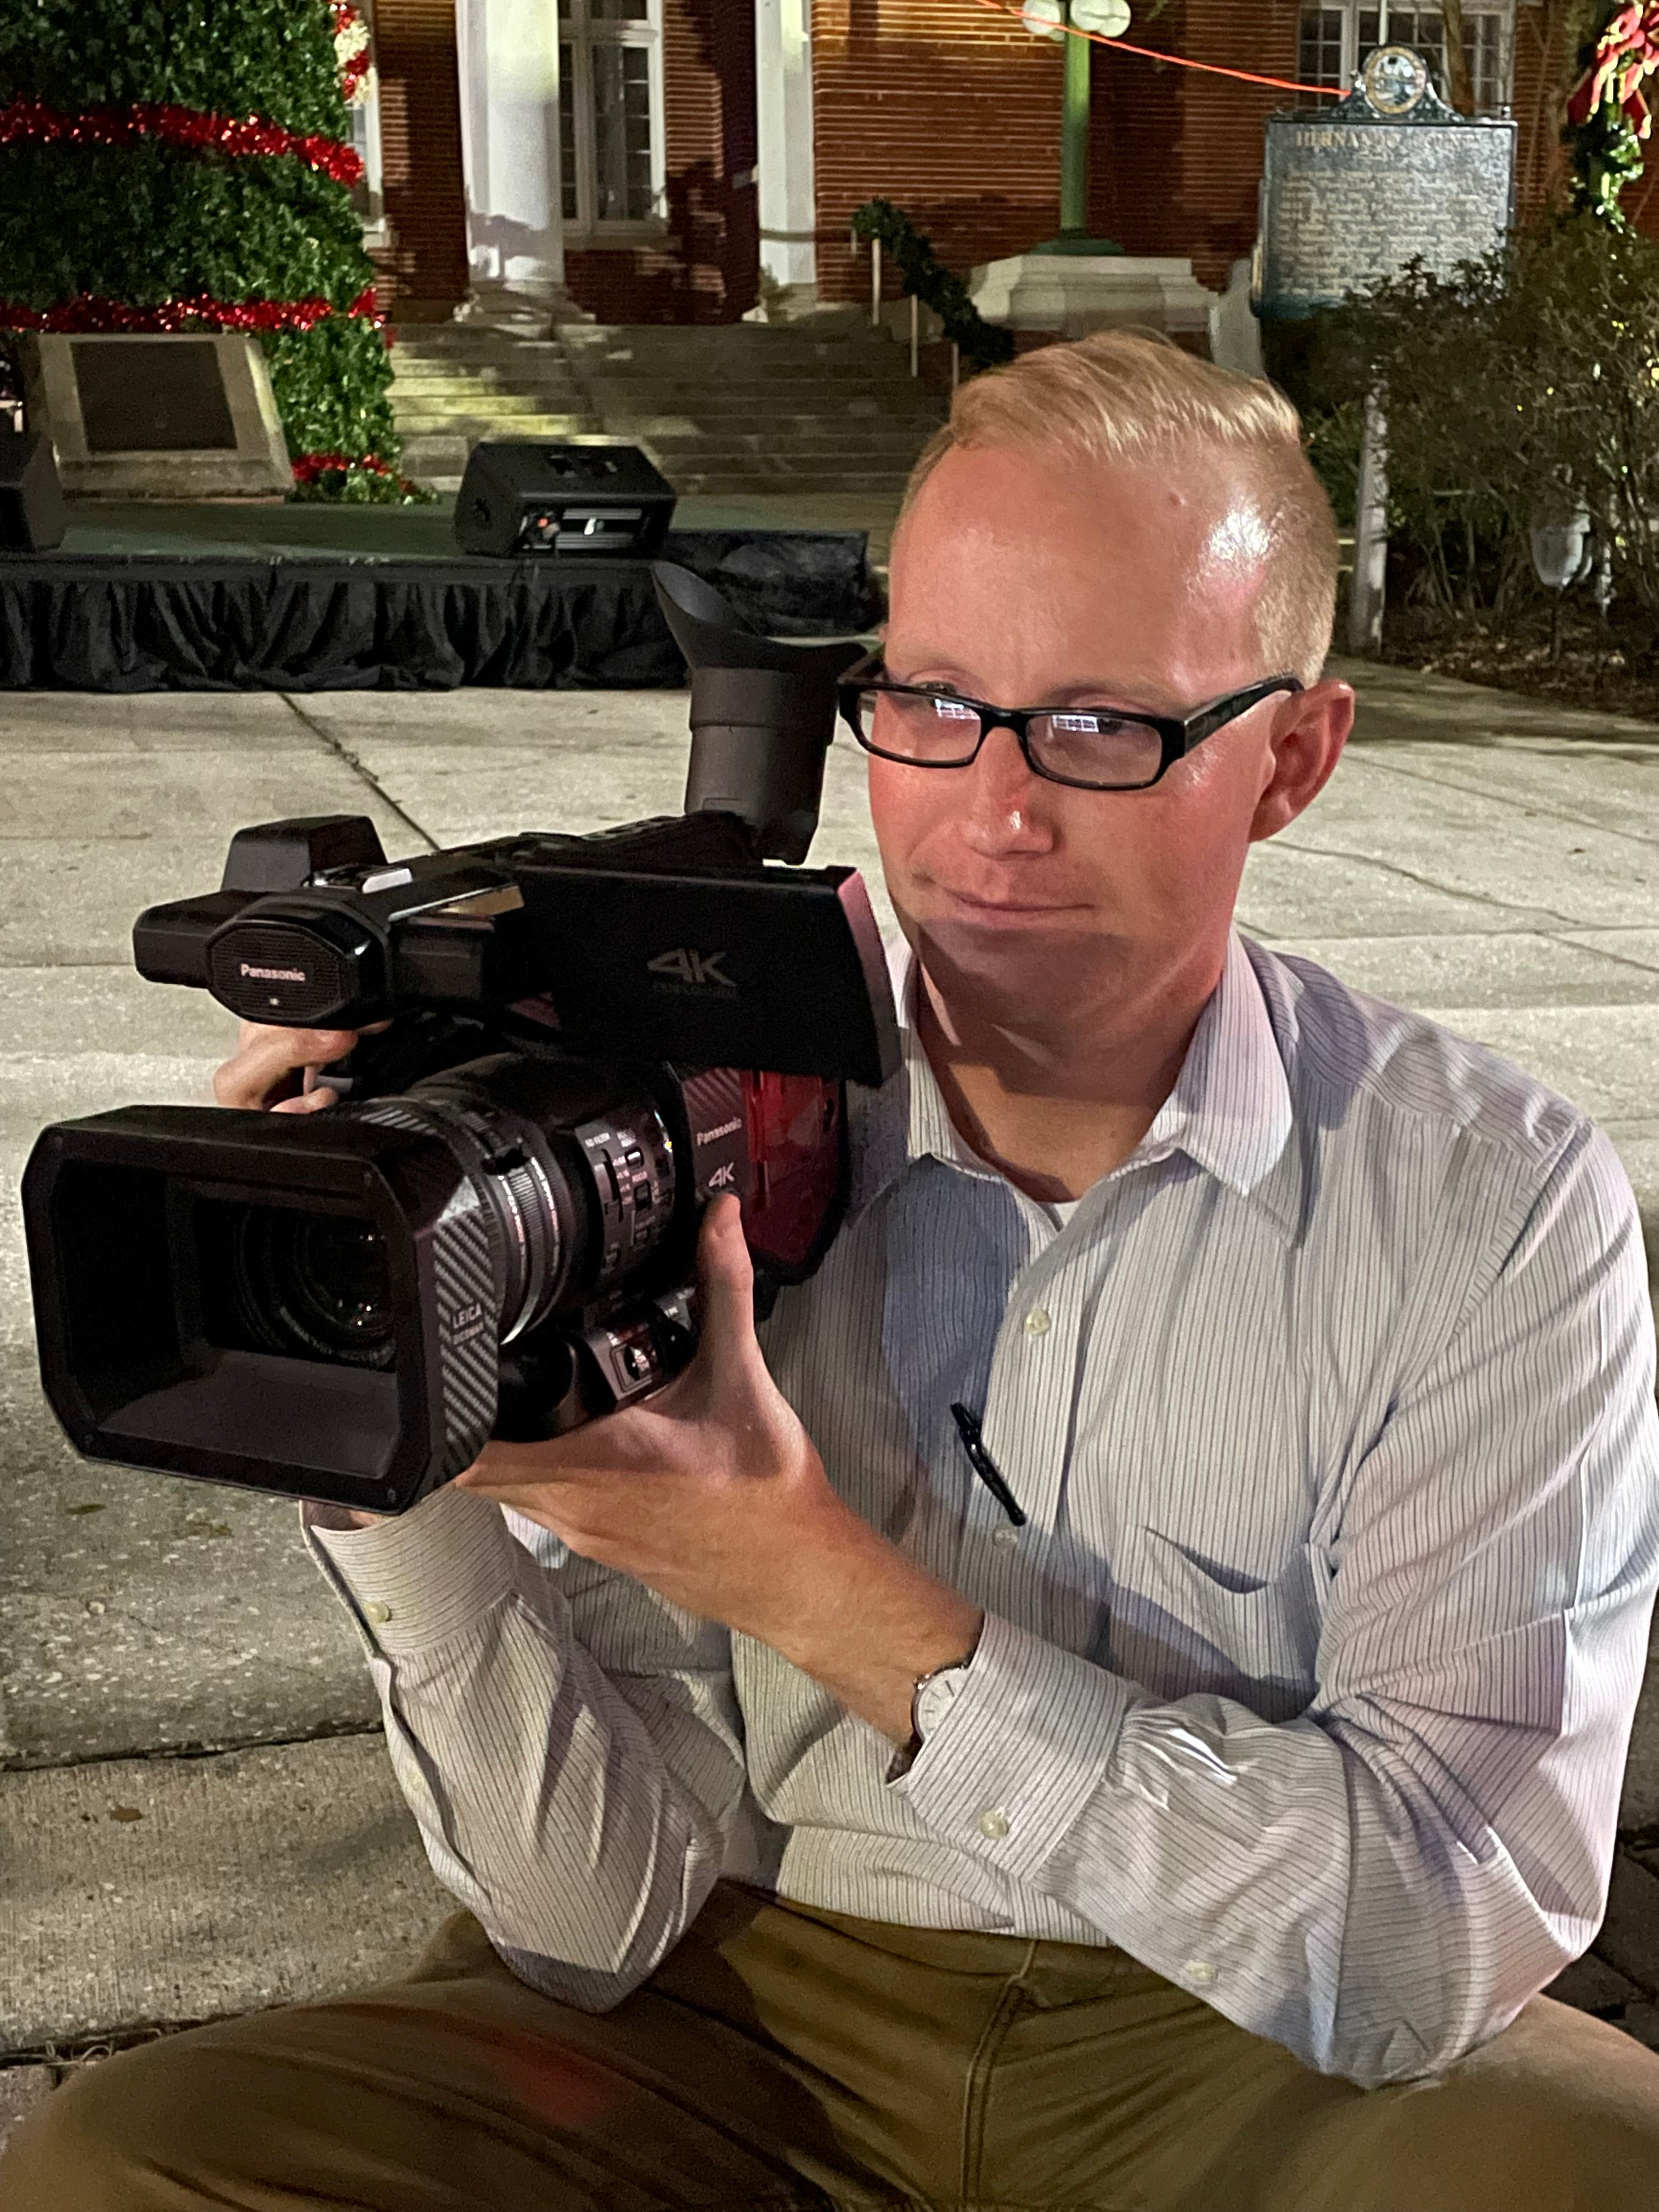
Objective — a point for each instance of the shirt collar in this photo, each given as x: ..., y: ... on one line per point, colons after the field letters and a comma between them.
x: 1229, y: 1112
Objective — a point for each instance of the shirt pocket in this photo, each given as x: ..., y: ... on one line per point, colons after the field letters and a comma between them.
x: 1182, y: 1625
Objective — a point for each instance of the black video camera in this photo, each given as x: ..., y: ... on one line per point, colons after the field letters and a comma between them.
x: 494, y: 1232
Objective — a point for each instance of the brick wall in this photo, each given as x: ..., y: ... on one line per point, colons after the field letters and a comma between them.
x: 421, y: 154
x: 1175, y: 156
x: 945, y: 108
x: 707, y: 270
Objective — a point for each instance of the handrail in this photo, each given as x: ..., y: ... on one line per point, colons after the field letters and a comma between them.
x: 926, y: 278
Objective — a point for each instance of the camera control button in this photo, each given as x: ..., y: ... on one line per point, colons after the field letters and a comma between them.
x: 378, y: 1610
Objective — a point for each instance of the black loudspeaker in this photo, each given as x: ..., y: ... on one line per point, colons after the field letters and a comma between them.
x: 525, y: 496
x: 33, y: 517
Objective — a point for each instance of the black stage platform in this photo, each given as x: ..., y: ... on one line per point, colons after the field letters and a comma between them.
x: 228, y: 614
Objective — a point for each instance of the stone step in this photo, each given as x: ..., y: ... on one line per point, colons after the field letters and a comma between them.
x: 525, y: 430
x: 447, y: 392
x: 871, y: 441
x: 738, y: 378
x: 716, y: 483
x: 823, y: 403
x: 593, y: 349
x: 507, y: 406
x: 443, y: 376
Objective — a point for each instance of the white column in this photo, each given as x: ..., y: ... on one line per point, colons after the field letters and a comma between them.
x: 508, y: 57
x: 783, y: 117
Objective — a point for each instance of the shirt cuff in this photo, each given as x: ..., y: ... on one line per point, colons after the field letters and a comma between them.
x: 421, y: 1576
x: 1024, y: 1744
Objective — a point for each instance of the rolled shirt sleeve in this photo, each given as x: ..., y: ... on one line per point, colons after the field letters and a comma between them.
x: 1381, y: 1883
x: 568, y: 1741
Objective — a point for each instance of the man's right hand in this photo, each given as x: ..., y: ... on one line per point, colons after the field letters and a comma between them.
x: 266, y: 1072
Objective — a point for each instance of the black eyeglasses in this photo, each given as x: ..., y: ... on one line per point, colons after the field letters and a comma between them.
x: 1091, y: 748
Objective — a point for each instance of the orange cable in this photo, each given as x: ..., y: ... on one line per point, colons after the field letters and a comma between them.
x: 1180, y: 61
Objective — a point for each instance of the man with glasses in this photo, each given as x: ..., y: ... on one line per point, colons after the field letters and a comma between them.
x: 1117, y: 1695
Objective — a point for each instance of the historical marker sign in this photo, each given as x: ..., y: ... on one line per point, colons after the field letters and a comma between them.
x: 1350, y: 193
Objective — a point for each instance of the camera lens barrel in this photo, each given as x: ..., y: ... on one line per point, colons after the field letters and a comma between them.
x: 576, y: 1200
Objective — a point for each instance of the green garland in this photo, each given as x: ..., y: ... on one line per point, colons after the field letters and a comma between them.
x: 985, y: 345
x: 151, y: 221
x: 1604, y: 152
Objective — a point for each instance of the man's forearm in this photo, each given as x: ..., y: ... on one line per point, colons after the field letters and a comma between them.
x: 863, y: 1621
x: 875, y: 1623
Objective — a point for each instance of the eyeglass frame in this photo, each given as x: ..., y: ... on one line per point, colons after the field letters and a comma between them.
x: 1178, y: 734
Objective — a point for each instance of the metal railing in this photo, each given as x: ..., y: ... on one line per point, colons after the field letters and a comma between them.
x: 926, y: 282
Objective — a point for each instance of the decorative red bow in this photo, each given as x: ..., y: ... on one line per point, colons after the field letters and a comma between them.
x: 1626, y: 53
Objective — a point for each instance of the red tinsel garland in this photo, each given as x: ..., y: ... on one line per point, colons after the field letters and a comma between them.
x: 87, y: 314
x: 310, y: 466
x: 32, y: 120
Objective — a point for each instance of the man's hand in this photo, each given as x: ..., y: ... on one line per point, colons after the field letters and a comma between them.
x: 711, y: 1493
x: 265, y: 1073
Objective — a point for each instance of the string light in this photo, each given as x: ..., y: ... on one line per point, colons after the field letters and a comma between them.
x: 1178, y: 61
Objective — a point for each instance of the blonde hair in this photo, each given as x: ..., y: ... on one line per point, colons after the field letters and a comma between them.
x: 1134, y: 396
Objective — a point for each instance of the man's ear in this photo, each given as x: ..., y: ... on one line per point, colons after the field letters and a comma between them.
x: 1309, y: 732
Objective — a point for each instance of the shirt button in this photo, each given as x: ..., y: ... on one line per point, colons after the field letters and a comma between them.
x: 378, y: 1610
x: 994, y: 1823
x: 1037, y: 1321
x: 1200, y: 1970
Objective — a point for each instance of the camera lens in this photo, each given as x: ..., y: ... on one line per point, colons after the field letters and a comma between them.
x: 316, y: 1284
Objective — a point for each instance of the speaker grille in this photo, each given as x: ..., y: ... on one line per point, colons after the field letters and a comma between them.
x: 264, y: 969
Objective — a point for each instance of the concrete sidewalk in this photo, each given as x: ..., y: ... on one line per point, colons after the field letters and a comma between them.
x: 197, y: 1813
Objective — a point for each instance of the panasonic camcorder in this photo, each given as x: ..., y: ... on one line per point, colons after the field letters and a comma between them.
x: 493, y: 1232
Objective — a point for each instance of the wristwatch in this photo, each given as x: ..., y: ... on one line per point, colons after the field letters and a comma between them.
x: 931, y: 1699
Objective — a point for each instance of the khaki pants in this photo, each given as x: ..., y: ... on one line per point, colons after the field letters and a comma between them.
x: 788, y: 2058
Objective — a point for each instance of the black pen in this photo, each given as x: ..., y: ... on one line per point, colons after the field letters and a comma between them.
x: 984, y: 1465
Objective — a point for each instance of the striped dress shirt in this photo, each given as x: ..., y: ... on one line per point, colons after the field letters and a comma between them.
x: 1308, y: 1678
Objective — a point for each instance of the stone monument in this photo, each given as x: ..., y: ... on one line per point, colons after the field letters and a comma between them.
x: 1349, y: 195
x: 136, y: 415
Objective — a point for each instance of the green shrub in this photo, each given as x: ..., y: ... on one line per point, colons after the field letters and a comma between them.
x: 1520, y: 387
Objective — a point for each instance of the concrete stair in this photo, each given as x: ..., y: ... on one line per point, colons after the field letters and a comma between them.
x: 824, y: 407
x: 452, y: 386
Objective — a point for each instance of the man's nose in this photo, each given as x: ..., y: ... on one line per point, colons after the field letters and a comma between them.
x: 1005, y: 807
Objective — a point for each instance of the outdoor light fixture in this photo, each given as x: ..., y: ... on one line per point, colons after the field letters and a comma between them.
x: 1560, y: 549
x: 1044, y: 19
x: 1561, y: 554
x: 1108, y: 19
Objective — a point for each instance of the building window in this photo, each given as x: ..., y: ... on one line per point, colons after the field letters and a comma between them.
x: 611, y: 117
x: 368, y: 195
x: 1335, y: 40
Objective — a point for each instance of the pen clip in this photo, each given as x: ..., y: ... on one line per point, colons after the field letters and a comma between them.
x: 983, y: 1464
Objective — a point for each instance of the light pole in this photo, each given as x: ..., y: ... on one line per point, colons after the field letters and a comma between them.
x: 1112, y: 18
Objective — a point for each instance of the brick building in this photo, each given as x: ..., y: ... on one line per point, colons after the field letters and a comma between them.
x: 651, y: 157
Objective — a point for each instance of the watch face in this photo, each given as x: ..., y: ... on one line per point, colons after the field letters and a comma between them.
x: 934, y: 1698
x: 1395, y: 79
